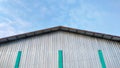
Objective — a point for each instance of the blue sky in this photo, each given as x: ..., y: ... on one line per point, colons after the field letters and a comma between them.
x: 20, y: 16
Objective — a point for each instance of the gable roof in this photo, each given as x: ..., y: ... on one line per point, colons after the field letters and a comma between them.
x: 60, y: 28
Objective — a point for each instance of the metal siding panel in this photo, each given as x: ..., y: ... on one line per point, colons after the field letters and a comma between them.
x: 42, y: 51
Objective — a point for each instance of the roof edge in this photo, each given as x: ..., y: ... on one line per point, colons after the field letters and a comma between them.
x: 62, y: 28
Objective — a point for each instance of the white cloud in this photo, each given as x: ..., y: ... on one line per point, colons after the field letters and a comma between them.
x: 85, y: 16
x: 10, y: 27
x: 7, y: 30
x: 11, y: 23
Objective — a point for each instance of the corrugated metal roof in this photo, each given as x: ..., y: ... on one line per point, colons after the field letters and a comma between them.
x: 61, y: 28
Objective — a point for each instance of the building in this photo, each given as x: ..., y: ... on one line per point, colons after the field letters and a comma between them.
x: 60, y: 47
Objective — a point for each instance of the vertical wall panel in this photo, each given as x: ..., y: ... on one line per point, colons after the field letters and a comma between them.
x: 42, y: 51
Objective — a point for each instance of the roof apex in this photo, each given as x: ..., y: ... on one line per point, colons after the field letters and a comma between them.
x: 61, y: 28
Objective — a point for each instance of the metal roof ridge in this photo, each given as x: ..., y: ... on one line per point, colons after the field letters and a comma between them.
x: 61, y: 28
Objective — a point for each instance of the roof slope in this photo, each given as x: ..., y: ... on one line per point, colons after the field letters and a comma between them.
x: 61, y: 28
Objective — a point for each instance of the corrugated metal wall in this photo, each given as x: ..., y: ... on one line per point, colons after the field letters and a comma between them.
x: 78, y: 51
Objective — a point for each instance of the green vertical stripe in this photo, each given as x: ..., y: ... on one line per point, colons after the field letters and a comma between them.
x: 18, y: 59
x: 101, y: 59
x: 60, y: 59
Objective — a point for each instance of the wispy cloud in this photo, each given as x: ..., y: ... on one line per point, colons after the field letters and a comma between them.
x: 7, y: 30
x: 75, y: 13
x: 11, y: 27
x: 10, y: 23
x: 23, y: 16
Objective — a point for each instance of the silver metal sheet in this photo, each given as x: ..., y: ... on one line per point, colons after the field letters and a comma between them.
x: 79, y: 51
